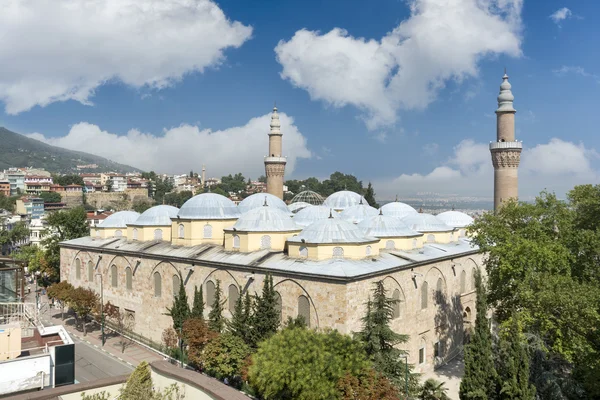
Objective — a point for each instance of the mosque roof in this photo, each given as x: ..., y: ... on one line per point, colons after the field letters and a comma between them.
x: 382, y: 226
x: 455, y: 219
x: 265, y: 219
x: 308, y: 215
x: 257, y: 200
x: 308, y: 196
x: 295, y: 207
x: 119, y: 219
x: 208, y: 206
x: 157, y: 216
x: 422, y: 222
x: 344, y: 199
x: 331, y: 231
x: 357, y: 213
x: 397, y: 209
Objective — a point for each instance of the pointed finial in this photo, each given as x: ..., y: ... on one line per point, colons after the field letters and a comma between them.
x: 380, y: 211
x: 265, y: 205
x: 452, y: 207
x: 360, y: 202
x: 504, y: 70
x: 420, y: 210
x: 330, y: 213
x: 396, y: 198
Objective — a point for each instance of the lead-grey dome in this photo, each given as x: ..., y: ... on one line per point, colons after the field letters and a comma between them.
x: 157, y: 216
x: 265, y: 219
x: 455, y: 219
x: 309, y: 215
x: 357, y: 213
x: 119, y: 219
x: 331, y: 231
x: 397, y: 209
x: 383, y: 226
x: 422, y: 222
x: 207, y: 206
x: 257, y: 200
x: 344, y: 199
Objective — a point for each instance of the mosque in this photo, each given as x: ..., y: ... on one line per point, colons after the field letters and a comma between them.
x: 324, y: 255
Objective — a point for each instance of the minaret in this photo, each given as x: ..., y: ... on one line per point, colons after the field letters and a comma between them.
x: 203, y: 176
x: 275, y: 162
x: 506, y: 151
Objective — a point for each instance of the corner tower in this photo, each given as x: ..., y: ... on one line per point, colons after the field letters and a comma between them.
x: 275, y: 162
x: 506, y: 150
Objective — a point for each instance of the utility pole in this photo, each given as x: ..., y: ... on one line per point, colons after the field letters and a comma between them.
x: 101, y: 309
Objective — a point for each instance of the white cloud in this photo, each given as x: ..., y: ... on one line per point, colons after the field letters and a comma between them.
x: 431, y: 149
x: 441, y: 40
x: 236, y: 149
x: 557, y: 166
x: 560, y: 15
x: 57, y: 50
x: 577, y: 70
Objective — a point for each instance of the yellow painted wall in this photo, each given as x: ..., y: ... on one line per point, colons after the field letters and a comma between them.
x: 325, y: 251
x: 194, y: 231
x: 402, y: 243
x: 104, y: 233
x: 440, y: 237
x: 251, y: 241
x: 146, y: 233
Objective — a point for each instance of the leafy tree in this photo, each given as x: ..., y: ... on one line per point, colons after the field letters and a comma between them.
x: 141, y: 206
x: 61, y: 291
x: 262, y: 179
x: 139, y: 384
x: 50, y: 197
x: 224, y: 356
x: 433, y: 390
x: 370, y: 196
x: 339, y: 181
x: 304, y: 364
x: 181, y: 308
x: 196, y: 334
x: 65, y: 180
x: 177, y: 199
x: 298, y: 322
x: 218, y: 190
x: 367, y: 385
x: 121, y: 322
x: 480, y: 378
x: 216, y: 321
x: 7, y: 203
x: 170, y: 338
x: 198, y: 306
x: 17, y: 234
x: 265, y: 318
x: 84, y: 302
x: 234, y: 184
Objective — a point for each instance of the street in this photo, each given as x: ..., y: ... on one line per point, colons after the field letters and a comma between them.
x: 92, y: 363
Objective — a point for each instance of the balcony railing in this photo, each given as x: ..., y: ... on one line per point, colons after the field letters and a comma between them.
x: 506, y: 145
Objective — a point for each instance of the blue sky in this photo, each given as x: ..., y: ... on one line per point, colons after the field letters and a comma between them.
x: 202, y: 77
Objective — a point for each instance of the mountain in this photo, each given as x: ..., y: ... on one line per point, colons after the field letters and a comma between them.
x: 20, y: 151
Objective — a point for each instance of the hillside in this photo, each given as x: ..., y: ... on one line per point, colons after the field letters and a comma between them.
x: 20, y: 151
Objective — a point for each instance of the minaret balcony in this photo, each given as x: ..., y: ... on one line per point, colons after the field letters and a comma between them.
x: 275, y: 160
x: 506, y: 145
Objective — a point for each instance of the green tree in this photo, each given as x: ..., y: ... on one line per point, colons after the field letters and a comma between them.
x: 181, y: 308
x: 139, y: 384
x: 238, y: 325
x: 262, y: 179
x: 433, y: 390
x: 7, y: 203
x: 62, y: 292
x: 266, y: 316
x: 17, y: 234
x: 370, y: 196
x: 65, y: 180
x: 216, y: 321
x: 141, y: 205
x: 218, y: 190
x: 480, y: 378
x: 84, y: 302
x: 224, y: 356
x: 50, y: 197
x: 305, y: 364
x: 198, y: 305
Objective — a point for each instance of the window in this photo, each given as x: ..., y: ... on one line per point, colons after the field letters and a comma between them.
x: 118, y: 233
x: 437, y: 349
x: 278, y: 305
x: 338, y: 252
x: 181, y: 231
x: 135, y: 234
x: 422, y: 355
x: 414, y: 243
x: 303, y: 251
x: 304, y: 309
x: 463, y: 282
x: 210, y: 293
x: 176, y: 284
x: 368, y: 251
x: 114, y: 277
x: 430, y: 238
x: 265, y: 242
x: 461, y: 233
x: 396, y: 305
x: 424, y: 294
x: 90, y: 268
x: 390, y: 245
x: 207, y: 231
x: 77, y: 268
x: 128, y: 278
x: 236, y: 242
x: 157, y: 285
x: 234, y: 294
x: 158, y: 234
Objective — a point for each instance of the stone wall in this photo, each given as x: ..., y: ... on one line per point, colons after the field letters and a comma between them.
x: 117, y: 200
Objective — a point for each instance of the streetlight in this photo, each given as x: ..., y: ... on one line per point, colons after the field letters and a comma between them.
x: 406, y: 374
x: 101, y: 308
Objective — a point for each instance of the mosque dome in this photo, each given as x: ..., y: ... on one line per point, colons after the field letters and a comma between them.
x: 344, y: 199
x: 119, y: 219
x: 357, y: 213
x: 422, y: 222
x: 295, y: 207
x: 382, y: 226
x: 455, y: 219
x: 308, y: 196
x: 308, y: 215
x: 207, y: 206
x: 265, y: 219
x: 397, y: 209
x: 332, y: 231
x: 257, y: 200
x: 157, y: 216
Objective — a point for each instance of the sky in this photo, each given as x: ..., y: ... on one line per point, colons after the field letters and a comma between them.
x: 400, y: 93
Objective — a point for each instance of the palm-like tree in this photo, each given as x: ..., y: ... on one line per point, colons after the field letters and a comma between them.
x: 433, y: 390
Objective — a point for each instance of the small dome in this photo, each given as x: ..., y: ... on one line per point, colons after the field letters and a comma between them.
x: 425, y: 223
x: 157, y: 216
x: 357, y: 213
x: 295, y: 207
x: 383, y: 226
x: 265, y: 219
x: 308, y: 215
x: 308, y: 196
x: 257, y: 200
x: 119, y: 219
x: 331, y: 231
x: 208, y: 206
x: 455, y: 219
x: 397, y: 209
x: 344, y: 199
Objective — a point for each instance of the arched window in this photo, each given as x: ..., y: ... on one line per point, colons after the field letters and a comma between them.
x: 118, y: 233
x: 368, y: 251
x: 77, y: 268
x: 207, y: 231
x: 135, y: 234
x: 338, y: 252
x: 157, y: 285
x: 181, y: 231
x: 424, y: 295
x: 304, y: 309
x: 90, y: 268
x: 303, y: 251
x: 467, y: 315
x: 430, y: 238
x: 390, y: 245
x: 210, y: 293
x: 158, y: 234
x: 234, y: 294
x: 439, y: 287
x: 128, y: 278
x: 278, y: 305
x: 414, y: 243
x: 114, y: 277
x: 176, y: 284
x: 396, y: 309
x: 265, y: 242
x: 463, y: 282
x: 422, y: 354
x: 236, y: 242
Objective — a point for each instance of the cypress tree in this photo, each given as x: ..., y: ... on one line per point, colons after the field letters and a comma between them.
x: 265, y: 319
x: 198, y: 307
x: 181, y: 309
x: 480, y: 379
x: 239, y: 323
x: 216, y: 321
x: 370, y: 196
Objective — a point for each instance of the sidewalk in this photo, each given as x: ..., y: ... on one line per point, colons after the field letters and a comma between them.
x: 133, y: 354
x: 451, y: 374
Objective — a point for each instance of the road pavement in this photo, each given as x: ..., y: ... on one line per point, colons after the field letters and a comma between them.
x: 92, y: 363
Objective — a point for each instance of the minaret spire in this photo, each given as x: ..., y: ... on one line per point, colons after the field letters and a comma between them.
x: 275, y: 162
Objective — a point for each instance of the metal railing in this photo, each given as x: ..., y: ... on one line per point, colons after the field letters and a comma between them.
x: 505, y: 145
